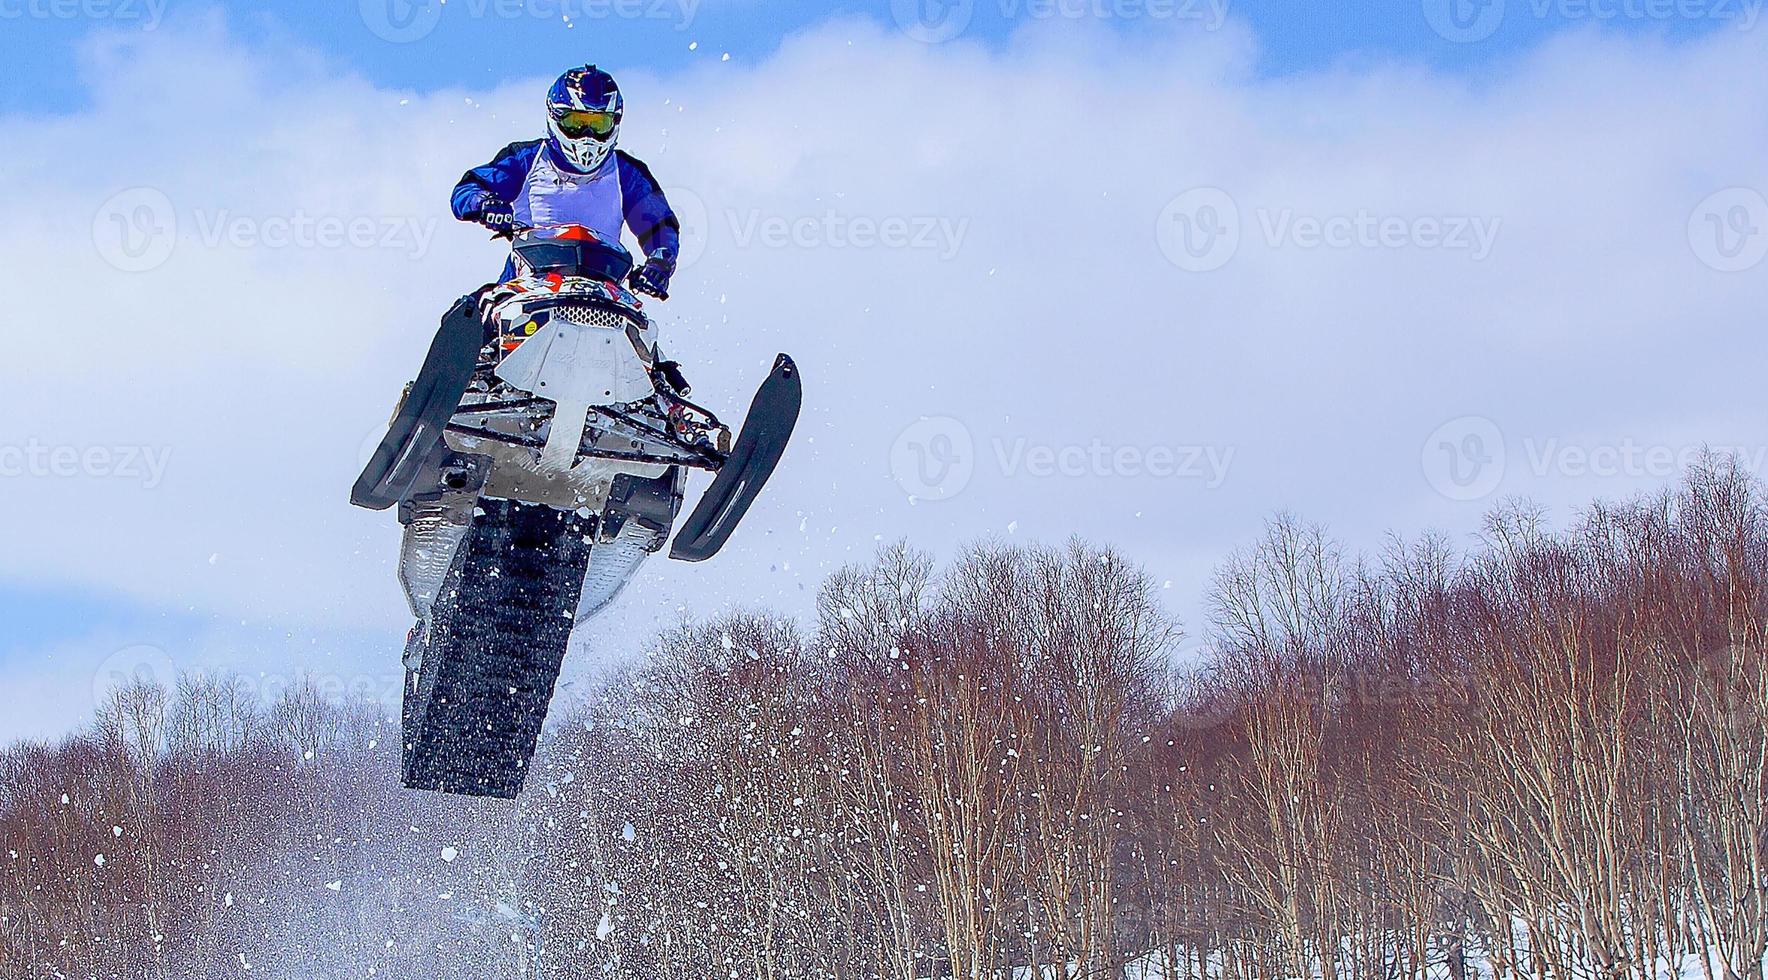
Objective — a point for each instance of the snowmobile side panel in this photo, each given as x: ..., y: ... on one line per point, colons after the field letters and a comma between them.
x: 415, y: 435
x: 497, y: 639
x: 766, y: 429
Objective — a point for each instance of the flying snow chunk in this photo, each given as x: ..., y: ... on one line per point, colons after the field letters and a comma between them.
x: 449, y: 854
x: 336, y: 886
x: 629, y: 832
x: 99, y: 860
x: 604, y: 928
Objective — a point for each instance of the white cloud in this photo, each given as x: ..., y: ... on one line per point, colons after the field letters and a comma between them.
x: 1029, y: 298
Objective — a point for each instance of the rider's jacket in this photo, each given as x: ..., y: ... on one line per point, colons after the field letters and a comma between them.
x: 528, y: 177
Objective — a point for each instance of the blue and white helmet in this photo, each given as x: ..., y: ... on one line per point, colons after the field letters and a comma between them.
x: 583, y: 110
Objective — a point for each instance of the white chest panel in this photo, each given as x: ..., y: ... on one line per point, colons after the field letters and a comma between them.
x: 553, y: 196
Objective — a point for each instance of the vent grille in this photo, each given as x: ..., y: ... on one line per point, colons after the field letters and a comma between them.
x: 596, y: 316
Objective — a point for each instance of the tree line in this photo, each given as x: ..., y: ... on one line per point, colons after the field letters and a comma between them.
x: 1542, y: 759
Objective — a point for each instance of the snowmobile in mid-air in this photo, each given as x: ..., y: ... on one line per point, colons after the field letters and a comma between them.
x: 538, y: 458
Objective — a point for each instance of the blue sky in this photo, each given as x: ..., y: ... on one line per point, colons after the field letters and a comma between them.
x: 480, y: 42
x: 1586, y: 136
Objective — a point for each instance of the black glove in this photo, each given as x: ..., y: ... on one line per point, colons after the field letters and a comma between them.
x: 494, y: 214
x: 653, y: 277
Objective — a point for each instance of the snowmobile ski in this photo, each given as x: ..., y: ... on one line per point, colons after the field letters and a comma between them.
x: 415, y: 435
x: 766, y: 429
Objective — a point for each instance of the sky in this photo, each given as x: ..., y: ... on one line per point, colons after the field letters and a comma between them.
x: 1145, y: 271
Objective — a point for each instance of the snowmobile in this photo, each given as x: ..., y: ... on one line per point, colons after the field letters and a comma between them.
x: 538, y: 458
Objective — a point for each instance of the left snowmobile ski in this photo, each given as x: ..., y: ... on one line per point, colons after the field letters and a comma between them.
x: 536, y: 461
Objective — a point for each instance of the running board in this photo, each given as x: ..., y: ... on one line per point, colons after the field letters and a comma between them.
x: 766, y: 429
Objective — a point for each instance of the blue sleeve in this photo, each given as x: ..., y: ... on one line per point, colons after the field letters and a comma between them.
x: 648, y: 213
x: 499, y: 180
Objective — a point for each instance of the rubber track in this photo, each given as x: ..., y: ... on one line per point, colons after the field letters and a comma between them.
x: 498, y: 637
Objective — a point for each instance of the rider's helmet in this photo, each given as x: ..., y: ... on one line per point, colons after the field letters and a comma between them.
x: 583, y: 110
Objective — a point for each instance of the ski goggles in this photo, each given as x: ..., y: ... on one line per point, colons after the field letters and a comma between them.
x: 578, y: 123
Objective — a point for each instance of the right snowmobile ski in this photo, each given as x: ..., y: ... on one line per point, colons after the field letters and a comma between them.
x: 772, y: 417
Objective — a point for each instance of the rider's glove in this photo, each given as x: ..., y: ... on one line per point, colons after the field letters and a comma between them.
x: 494, y: 214
x: 653, y: 277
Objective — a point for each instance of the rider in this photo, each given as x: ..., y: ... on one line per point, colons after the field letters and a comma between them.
x: 576, y: 176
